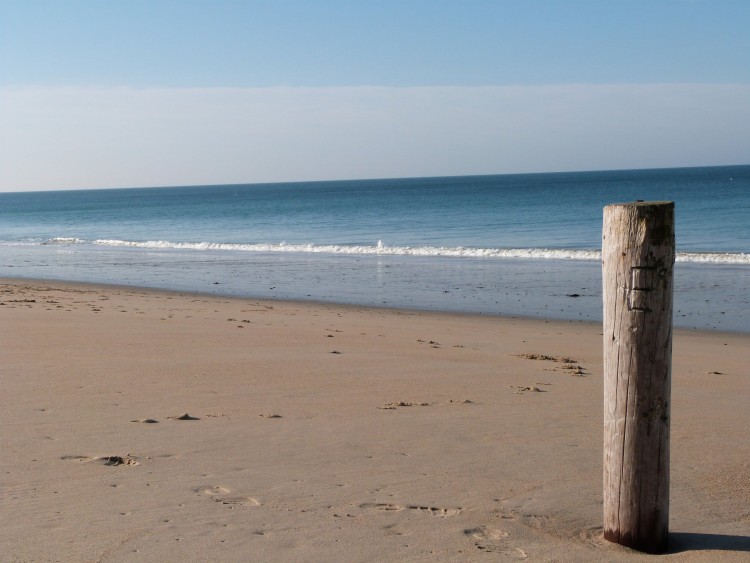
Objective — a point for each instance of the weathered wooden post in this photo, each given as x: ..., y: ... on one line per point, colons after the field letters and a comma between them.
x: 638, y: 252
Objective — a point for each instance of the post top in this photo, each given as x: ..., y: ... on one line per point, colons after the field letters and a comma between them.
x: 641, y: 203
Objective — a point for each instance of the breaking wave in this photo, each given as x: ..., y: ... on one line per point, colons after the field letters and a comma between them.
x: 386, y: 250
x: 382, y: 249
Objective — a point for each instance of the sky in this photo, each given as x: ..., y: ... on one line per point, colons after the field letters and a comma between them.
x: 125, y: 93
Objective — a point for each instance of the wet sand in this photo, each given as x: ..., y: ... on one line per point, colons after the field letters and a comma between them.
x: 157, y: 426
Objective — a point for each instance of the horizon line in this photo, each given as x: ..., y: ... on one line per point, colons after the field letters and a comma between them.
x: 376, y: 179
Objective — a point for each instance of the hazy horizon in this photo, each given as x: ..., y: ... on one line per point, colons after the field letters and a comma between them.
x: 375, y: 179
x: 162, y: 93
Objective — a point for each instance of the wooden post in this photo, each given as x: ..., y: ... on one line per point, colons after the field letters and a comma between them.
x: 638, y: 251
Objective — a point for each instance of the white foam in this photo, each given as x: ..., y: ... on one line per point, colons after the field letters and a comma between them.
x: 714, y: 257
x: 381, y: 248
x: 66, y: 240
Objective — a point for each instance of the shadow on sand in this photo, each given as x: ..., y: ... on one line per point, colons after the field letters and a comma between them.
x: 687, y: 541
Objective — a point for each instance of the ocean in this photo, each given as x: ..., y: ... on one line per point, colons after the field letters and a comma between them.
x: 514, y: 245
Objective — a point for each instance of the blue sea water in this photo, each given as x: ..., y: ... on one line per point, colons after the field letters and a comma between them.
x: 507, y: 244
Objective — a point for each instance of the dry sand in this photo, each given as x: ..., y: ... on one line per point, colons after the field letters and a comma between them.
x: 326, y: 433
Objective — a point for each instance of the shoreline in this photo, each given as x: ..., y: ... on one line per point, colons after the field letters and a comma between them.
x: 325, y: 432
x: 104, y: 286
x: 7, y: 280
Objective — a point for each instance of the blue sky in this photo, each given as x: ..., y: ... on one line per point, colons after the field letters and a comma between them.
x: 165, y: 92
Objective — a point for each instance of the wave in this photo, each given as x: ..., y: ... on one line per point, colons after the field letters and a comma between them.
x: 377, y: 249
x: 383, y: 249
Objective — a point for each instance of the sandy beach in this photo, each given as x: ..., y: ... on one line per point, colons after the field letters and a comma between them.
x: 152, y: 426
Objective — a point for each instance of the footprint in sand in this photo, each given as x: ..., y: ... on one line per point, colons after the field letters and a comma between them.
x: 78, y: 458
x: 430, y: 510
x: 487, y: 539
x: 492, y: 540
x: 224, y: 496
x: 485, y: 533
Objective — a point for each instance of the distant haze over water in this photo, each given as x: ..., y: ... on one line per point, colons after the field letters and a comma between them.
x: 524, y: 244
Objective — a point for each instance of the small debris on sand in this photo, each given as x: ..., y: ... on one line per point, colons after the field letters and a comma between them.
x: 185, y: 416
x: 391, y: 406
x: 115, y: 460
x: 522, y: 389
x: 560, y: 359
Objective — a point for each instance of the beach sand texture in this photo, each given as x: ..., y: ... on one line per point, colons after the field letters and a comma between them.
x: 317, y: 432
